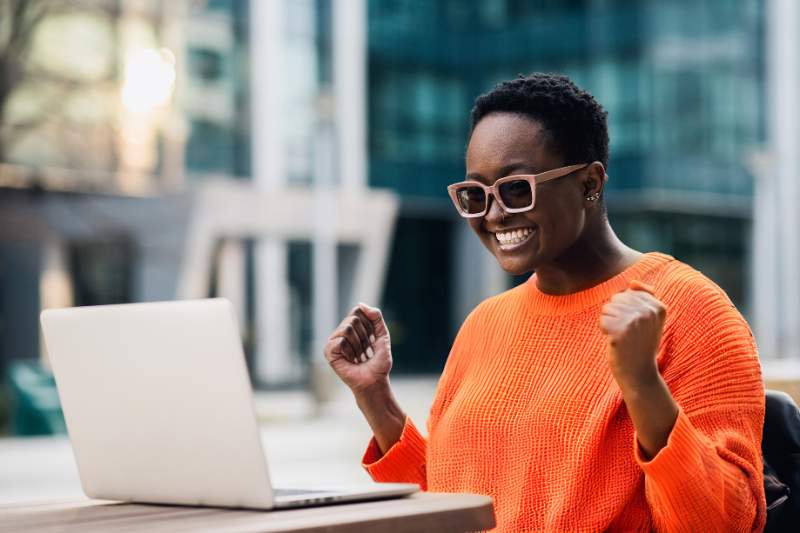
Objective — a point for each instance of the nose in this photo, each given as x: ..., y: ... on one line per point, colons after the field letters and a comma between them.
x: 495, y: 213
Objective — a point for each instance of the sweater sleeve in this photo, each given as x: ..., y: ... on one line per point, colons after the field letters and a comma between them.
x: 709, y: 476
x: 405, y: 461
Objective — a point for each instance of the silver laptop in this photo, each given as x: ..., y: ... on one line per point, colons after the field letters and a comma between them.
x: 159, y: 409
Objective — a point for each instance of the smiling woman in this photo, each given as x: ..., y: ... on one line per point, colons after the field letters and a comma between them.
x: 613, y: 391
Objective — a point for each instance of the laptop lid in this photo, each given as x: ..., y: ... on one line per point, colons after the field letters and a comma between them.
x: 158, y: 403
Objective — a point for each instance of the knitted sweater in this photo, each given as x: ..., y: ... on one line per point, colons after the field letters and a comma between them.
x: 527, y: 412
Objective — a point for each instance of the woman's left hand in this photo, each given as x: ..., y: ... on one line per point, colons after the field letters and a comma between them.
x: 633, y: 321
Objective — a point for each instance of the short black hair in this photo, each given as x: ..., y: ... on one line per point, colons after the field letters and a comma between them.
x: 575, y: 121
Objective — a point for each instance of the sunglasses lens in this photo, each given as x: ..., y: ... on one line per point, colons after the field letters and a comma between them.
x: 471, y: 200
x: 516, y: 194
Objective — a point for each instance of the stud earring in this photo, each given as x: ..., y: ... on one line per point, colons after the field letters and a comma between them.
x: 593, y: 197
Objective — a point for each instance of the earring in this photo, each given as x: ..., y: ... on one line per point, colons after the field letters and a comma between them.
x: 593, y: 197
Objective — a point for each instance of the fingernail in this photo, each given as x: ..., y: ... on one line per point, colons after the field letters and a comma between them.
x: 372, y: 338
x: 370, y: 352
x: 363, y: 357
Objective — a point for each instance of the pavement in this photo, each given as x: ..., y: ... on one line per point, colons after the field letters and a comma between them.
x: 304, y: 445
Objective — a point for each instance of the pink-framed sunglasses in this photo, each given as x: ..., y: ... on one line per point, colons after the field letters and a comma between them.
x: 515, y: 194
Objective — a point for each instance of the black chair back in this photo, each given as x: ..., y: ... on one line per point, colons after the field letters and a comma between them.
x: 781, y: 449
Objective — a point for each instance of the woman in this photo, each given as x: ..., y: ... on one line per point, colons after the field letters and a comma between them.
x: 613, y: 391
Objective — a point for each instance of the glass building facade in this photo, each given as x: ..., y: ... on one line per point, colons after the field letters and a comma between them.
x: 683, y: 85
x: 682, y: 81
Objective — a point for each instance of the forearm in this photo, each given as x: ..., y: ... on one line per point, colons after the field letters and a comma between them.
x: 696, y: 483
x: 653, y: 411
x: 383, y: 414
x: 691, y: 484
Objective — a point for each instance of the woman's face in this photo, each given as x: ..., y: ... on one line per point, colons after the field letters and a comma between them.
x: 506, y: 143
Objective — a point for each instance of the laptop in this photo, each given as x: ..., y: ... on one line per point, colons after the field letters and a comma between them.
x: 159, y: 409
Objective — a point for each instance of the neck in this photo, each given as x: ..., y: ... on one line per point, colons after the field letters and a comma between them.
x: 596, y: 256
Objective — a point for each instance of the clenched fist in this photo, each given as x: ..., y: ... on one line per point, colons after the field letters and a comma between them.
x: 359, y: 350
x: 633, y: 321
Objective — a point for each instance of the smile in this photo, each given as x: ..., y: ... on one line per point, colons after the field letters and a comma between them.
x: 509, y: 240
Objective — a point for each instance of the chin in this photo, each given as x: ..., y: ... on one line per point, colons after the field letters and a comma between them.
x: 516, y: 263
x: 517, y: 271
x: 516, y: 267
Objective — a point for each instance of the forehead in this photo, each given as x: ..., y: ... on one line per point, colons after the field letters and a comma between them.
x: 501, y: 138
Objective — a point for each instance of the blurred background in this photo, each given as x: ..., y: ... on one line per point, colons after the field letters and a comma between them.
x: 159, y: 150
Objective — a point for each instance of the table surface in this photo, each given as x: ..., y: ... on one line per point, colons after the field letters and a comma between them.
x: 423, y: 511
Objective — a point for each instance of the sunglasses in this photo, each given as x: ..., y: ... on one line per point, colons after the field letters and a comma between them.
x: 515, y: 194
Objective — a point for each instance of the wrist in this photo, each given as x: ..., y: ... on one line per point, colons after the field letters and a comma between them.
x: 653, y: 411
x: 382, y: 412
x: 379, y: 390
x: 642, y: 383
x: 378, y: 401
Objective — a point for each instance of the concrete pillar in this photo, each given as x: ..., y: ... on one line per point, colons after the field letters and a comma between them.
x: 777, y: 244
x: 340, y: 159
x: 325, y: 292
x: 765, y: 294
x: 350, y: 89
x: 273, y: 360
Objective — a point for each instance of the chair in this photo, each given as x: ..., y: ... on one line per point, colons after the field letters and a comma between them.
x: 780, y: 447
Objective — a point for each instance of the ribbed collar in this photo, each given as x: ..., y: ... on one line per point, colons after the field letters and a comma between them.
x: 550, y: 304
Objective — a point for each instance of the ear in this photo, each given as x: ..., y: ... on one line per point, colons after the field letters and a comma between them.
x: 594, y: 180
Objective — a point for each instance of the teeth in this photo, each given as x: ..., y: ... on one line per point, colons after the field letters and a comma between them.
x: 513, y: 237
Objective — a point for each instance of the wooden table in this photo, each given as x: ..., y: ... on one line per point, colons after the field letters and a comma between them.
x: 423, y: 511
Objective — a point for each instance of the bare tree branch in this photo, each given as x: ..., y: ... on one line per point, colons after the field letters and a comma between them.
x: 19, y: 22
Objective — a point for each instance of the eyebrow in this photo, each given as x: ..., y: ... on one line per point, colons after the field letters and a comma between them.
x: 507, y: 170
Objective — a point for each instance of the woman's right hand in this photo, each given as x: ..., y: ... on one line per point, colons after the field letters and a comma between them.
x: 359, y: 350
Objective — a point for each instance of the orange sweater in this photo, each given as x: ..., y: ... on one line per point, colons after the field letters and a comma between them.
x: 527, y: 411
